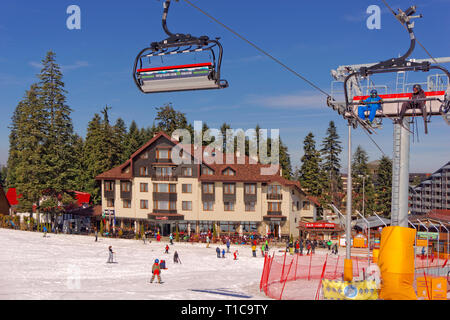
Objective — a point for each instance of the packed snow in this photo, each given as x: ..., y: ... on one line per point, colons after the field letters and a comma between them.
x: 64, y: 266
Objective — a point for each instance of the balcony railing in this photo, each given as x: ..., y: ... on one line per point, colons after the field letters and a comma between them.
x: 274, y: 196
x: 164, y: 178
x: 274, y: 213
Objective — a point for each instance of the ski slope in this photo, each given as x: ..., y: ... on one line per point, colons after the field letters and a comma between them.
x: 74, y: 267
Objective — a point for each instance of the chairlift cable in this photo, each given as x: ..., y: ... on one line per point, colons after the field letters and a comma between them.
x: 274, y: 59
x: 259, y: 49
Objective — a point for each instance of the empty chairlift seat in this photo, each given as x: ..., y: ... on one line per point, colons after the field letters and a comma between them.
x: 177, y: 78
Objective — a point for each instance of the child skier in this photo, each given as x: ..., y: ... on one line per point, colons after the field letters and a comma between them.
x: 254, y: 250
x: 111, y: 253
x: 223, y: 253
x: 235, y: 255
x: 175, y: 257
x: 156, y: 270
x: 167, y: 248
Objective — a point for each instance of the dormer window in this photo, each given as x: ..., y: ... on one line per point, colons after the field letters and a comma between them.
x: 207, y: 171
x: 229, y: 172
x: 162, y: 154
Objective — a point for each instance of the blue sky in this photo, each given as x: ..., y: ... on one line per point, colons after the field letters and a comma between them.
x: 312, y: 37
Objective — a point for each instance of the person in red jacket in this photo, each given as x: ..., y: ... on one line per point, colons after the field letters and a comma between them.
x: 167, y: 248
x: 235, y: 255
x: 156, y: 271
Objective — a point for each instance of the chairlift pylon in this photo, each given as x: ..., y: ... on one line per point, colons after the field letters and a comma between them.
x: 197, y: 76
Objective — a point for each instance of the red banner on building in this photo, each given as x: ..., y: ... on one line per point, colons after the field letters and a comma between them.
x: 319, y: 225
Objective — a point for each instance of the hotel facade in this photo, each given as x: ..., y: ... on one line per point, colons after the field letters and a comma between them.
x: 151, y: 192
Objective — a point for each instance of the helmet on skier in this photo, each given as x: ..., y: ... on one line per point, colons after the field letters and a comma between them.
x: 374, y: 93
x: 156, y: 261
x: 417, y: 87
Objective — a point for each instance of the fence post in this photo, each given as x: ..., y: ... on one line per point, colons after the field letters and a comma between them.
x: 285, y: 280
x: 296, y: 264
x: 309, y: 271
x: 335, y: 269
x: 263, y: 273
x: 282, y: 270
x: 321, y: 277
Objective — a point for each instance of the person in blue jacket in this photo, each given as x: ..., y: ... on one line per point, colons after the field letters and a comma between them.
x: 223, y: 253
x: 228, y: 245
x: 372, y: 104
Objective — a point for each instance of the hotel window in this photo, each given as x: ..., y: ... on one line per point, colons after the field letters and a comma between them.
x: 208, y: 188
x: 274, y: 206
x: 228, y: 188
x: 162, y: 154
x: 228, y: 206
x: 187, y: 205
x: 229, y: 172
x: 250, y: 188
x: 207, y: 171
x: 144, y: 204
x: 165, y: 188
x: 109, y: 185
x: 187, y: 172
x: 274, y: 189
x: 143, y: 187
x: 208, y: 205
x: 164, y: 205
x: 125, y: 186
x: 186, y: 188
x: 110, y: 203
x: 127, y: 203
x: 250, y: 206
x: 305, y: 205
x: 164, y: 171
x: 143, y: 171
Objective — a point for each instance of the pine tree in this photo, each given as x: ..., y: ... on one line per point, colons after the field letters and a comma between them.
x: 383, y: 187
x: 330, y: 152
x: 310, y: 173
x: 59, y: 152
x: 133, y: 140
x: 119, y: 141
x: 362, y: 183
x: 29, y: 170
x: 170, y: 119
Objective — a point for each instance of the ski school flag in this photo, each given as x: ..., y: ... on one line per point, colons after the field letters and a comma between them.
x: 349, y: 290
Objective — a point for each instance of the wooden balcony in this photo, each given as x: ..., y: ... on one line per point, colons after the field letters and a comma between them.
x: 164, y: 178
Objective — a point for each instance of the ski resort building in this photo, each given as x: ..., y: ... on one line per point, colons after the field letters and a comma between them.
x: 150, y: 191
x: 432, y: 193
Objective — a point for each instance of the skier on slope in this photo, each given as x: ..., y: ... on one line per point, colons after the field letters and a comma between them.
x: 228, y: 244
x: 111, y: 253
x: 218, y: 252
x: 235, y: 254
x: 175, y: 257
x: 156, y: 271
x: 167, y: 248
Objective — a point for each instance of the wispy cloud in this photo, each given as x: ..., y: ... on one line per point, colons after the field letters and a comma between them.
x: 74, y: 66
x: 301, y: 100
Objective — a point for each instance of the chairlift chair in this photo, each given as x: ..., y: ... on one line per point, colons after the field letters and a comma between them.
x: 198, y: 76
x: 436, y: 102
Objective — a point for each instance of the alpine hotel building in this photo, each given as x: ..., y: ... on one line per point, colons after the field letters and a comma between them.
x: 150, y: 190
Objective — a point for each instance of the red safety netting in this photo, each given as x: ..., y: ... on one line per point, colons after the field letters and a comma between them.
x: 290, y: 276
